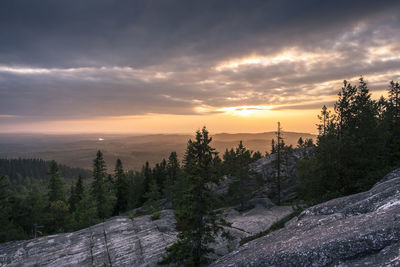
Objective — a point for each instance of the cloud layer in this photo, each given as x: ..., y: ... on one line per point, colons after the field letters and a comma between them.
x: 97, y: 58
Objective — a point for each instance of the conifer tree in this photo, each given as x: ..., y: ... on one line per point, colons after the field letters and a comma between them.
x: 392, y: 124
x: 122, y: 188
x: 86, y: 213
x: 79, y: 189
x: 196, y: 219
x: 148, y: 176
x: 273, y: 146
x: 278, y: 161
x: 160, y: 174
x: 241, y: 173
x: 300, y: 142
x: 99, y: 190
x: 256, y: 156
x: 76, y: 194
x: 8, y: 230
x: 173, y: 170
x: 56, y: 184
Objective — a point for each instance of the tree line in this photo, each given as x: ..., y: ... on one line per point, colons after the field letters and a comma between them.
x: 358, y: 143
x: 24, y: 174
x: 50, y: 207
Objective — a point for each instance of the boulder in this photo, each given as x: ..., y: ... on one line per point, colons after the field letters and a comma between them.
x: 357, y: 230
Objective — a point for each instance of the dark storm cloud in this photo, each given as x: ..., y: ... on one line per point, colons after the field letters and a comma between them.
x: 63, y: 59
x: 140, y: 33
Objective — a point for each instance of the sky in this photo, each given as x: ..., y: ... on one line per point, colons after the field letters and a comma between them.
x: 172, y: 66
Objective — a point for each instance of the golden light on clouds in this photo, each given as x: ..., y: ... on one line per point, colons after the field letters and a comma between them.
x: 289, y: 55
x: 246, y: 110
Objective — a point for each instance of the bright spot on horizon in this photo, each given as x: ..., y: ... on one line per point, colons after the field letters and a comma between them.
x: 100, y: 139
x: 245, y: 110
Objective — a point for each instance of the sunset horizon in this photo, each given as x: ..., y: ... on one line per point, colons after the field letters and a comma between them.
x: 133, y: 68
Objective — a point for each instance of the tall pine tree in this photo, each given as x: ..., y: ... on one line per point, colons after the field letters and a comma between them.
x: 196, y: 219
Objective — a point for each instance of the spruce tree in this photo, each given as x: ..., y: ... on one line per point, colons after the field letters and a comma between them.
x: 56, y: 184
x: 392, y: 124
x: 76, y: 194
x: 239, y: 189
x: 148, y: 176
x: 122, y: 188
x: 278, y: 162
x: 196, y: 219
x: 9, y: 230
x: 99, y: 190
x: 300, y: 142
x: 86, y: 213
x: 172, y: 170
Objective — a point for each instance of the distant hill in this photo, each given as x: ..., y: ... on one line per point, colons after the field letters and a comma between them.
x: 79, y: 151
x: 25, y: 173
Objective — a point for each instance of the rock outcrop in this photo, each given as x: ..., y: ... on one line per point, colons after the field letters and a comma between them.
x: 357, y: 230
x: 266, y: 168
x: 265, y: 171
x: 121, y: 241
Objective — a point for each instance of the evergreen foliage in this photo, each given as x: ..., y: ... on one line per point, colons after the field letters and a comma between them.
x: 196, y: 219
x: 56, y: 184
x: 25, y: 174
x: 122, y: 188
x: 237, y: 167
x: 102, y: 188
x: 356, y: 145
x: 280, y: 153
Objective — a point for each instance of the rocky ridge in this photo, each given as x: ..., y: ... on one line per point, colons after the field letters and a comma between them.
x: 121, y: 241
x: 357, y: 230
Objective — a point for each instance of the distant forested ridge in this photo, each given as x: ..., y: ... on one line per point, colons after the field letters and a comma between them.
x: 23, y: 174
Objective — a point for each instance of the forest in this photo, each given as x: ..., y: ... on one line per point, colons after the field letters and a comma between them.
x: 358, y: 142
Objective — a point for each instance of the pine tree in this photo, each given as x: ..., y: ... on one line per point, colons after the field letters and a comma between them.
x: 173, y: 170
x: 136, y: 189
x: 79, y: 189
x: 86, y: 213
x: 240, y: 172
x: 300, y: 142
x: 256, y: 156
x: 56, y: 184
x: 392, y: 124
x: 173, y: 165
x: 273, y: 146
x: 160, y: 174
x: 99, y: 190
x: 278, y: 162
x: 122, y: 188
x: 350, y: 153
x: 196, y: 219
x: 148, y: 176
x: 9, y: 230
x: 76, y: 194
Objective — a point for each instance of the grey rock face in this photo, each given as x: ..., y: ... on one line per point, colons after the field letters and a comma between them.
x: 265, y: 167
x: 358, y: 230
x: 119, y: 241
x: 248, y: 223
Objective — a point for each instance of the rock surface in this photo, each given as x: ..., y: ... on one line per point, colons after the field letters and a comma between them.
x: 265, y: 167
x: 357, y: 230
x: 121, y: 241
x: 248, y: 223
